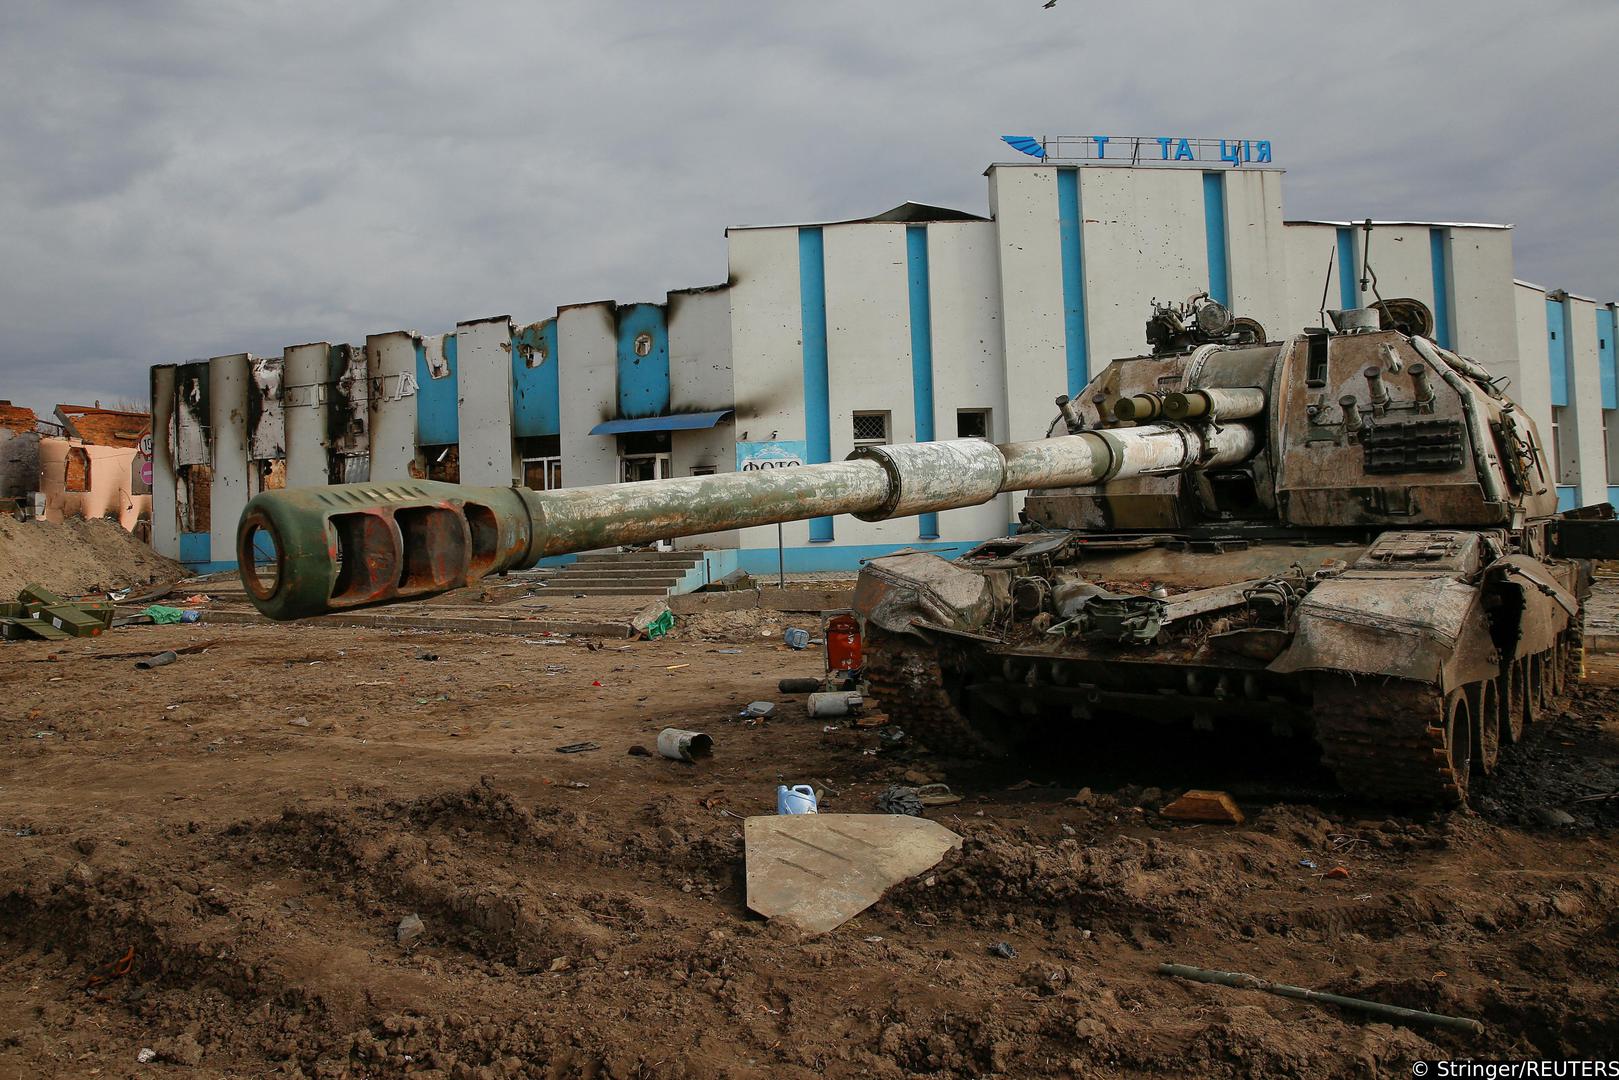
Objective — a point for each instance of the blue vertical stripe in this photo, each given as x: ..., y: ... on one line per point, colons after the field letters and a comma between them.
x: 1214, y: 238
x: 1071, y: 240
x: 437, y: 419
x: 916, y: 266
x: 1441, y: 288
x: 536, y: 404
x: 817, y: 378
x: 1606, y: 328
x: 643, y: 381
x: 1348, y: 287
x: 1557, y: 350
x: 194, y: 547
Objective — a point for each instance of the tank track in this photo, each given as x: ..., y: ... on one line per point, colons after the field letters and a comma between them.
x: 1383, y: 740
x: 907, y: 677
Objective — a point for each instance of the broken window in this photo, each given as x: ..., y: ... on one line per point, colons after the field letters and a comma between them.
x: 972, y: 423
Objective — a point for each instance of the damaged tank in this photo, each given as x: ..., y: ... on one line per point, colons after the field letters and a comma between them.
x: 1381, y: 573
x: 1350, y: 535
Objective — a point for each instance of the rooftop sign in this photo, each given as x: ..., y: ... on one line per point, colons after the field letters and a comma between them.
x: 1142, y: 149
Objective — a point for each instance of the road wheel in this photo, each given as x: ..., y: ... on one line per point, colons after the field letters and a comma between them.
x: 1486, y: 713
x: 1509, y: 698
x: 1458, y: 743
x: 1534, y: 690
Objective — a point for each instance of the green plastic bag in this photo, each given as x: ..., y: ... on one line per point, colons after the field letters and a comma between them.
x: 161, y: 614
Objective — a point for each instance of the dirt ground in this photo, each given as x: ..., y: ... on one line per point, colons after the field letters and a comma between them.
x: 246, y: 829
x: 77, y: 556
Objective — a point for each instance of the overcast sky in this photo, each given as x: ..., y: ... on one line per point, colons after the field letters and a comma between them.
x: 183, y: 180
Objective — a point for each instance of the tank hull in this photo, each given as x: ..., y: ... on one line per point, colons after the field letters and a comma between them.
x: 1410, y: 665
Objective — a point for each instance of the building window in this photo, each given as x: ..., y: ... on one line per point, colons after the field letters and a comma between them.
x: 442, y: 462
x: 1567, y: 466
x: 972, y: 423
x: 541, y: 456
x: 542, y: 474
x: 870, y: 428
x: 702, y: 470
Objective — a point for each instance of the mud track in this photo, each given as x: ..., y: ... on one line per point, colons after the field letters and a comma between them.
x: 255, y: 821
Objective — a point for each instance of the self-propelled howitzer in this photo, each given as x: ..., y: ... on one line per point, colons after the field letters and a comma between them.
x: 1350, y: 536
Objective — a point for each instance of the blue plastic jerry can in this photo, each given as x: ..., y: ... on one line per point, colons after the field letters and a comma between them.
x: 795, y: 800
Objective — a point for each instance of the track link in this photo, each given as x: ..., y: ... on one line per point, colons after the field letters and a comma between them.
x: 1384, y: 739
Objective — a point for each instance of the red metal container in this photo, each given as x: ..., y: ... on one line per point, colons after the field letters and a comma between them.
x: 842, y: 643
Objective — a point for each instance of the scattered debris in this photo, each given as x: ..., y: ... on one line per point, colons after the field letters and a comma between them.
x: 426, y: 654
x: 898, y: 799
x: 578, y: 747
x: 836, y: 703
x: 653, y: 621
x: 183, y: 650
x: 163, y: 615
x: 758, y: 709
x: 799, y: 686
x: 159, y: 660
x: 1215, y: 806
x: 795, y: 638
x: 678, y: 745
x: 818, y: 871
x: 1337, y: 873
x: 798, y: 799
x: 1308, y: 864
x: 299, y: 721
x: 410, y: 928
x: 1375, y: 1008
x: 1003, y: 950
x: 1552, y: 817
x: 115, y: 969
x: 40, y: 613
x: 639, y: 751
x: 146, y: 1055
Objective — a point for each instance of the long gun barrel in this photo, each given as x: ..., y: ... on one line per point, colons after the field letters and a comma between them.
x: 309, y: 551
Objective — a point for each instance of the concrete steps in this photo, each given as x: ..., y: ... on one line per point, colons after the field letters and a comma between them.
x: 631, y: 573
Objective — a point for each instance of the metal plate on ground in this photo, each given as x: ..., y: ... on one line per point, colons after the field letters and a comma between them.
x: 818, y: 871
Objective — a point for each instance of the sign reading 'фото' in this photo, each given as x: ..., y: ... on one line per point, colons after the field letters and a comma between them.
x: 779, y: 454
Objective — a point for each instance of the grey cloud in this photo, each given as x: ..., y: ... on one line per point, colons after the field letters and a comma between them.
x: 184, y: 179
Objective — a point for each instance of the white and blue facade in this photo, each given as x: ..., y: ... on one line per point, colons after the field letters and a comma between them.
x: 921, y: 323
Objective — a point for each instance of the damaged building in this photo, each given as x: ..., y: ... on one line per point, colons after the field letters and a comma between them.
x: 918, y: 323
x: 89, y: 462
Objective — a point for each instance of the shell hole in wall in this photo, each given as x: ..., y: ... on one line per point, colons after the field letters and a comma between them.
x: 643, y: 344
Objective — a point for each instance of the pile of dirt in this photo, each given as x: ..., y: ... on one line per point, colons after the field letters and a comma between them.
x: 77, y: 556
x: 307, y: 851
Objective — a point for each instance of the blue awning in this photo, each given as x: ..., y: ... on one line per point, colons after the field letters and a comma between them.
x: 691, y: 421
